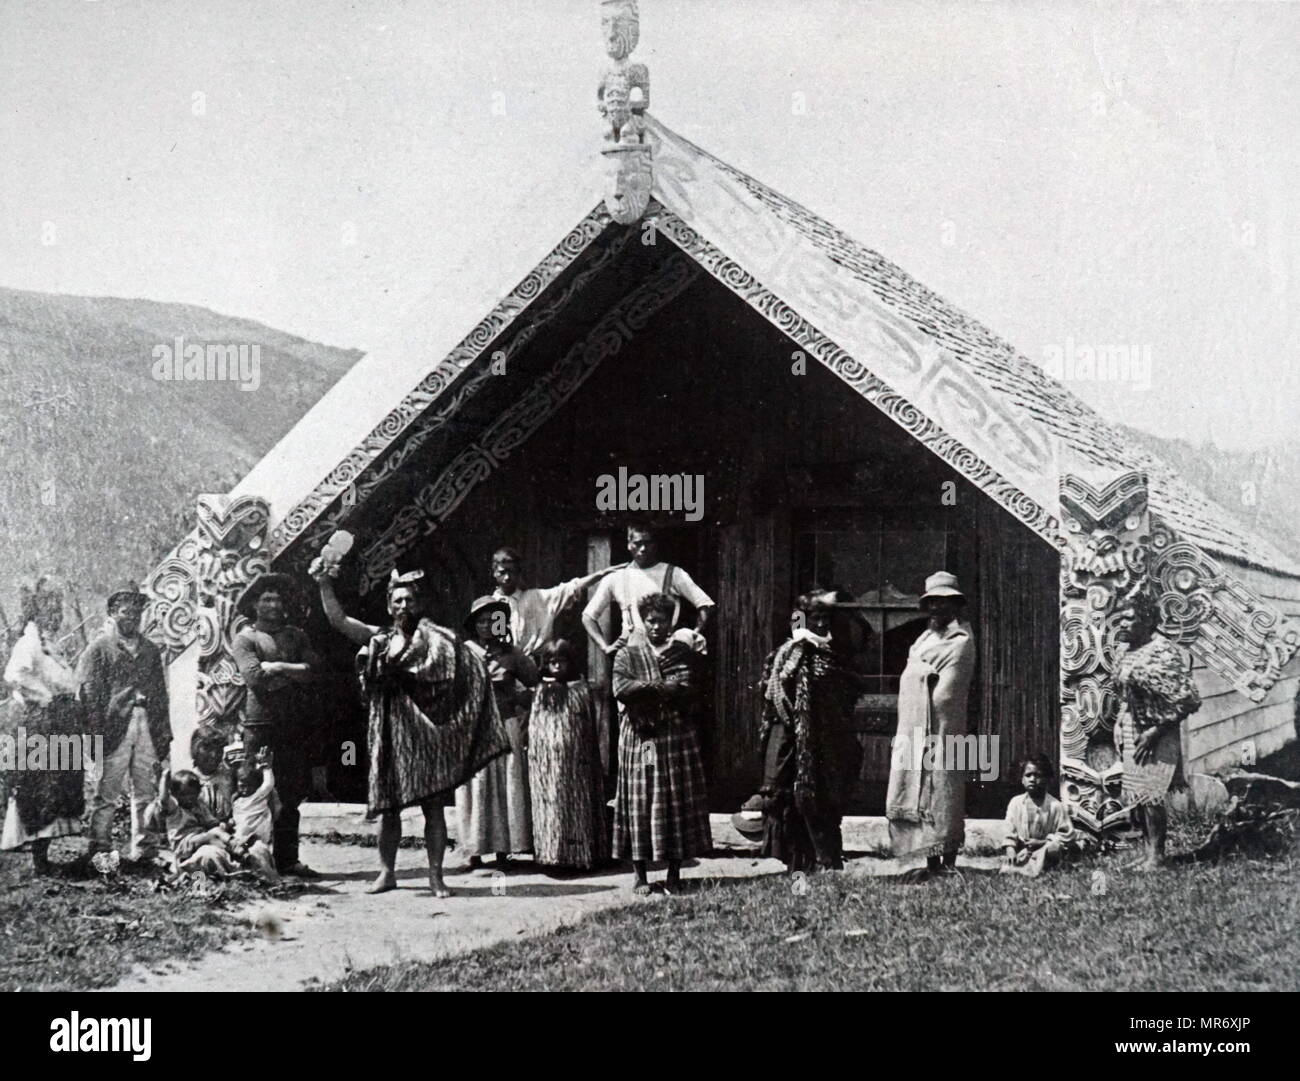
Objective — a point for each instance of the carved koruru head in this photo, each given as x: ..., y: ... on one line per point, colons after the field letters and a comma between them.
x: 620, y: 26
x: 627, y: 182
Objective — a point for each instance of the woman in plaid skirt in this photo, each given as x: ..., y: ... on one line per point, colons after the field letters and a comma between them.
x: 660, y: 811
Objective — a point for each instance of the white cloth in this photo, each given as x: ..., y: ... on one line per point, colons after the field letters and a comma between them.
x: 533, y: 612
x: 35, y: 674
x: 627, y: 586
x: 14, y: 834
x: 132, y: 767
x: 254, y: 814
x: 803, y: 634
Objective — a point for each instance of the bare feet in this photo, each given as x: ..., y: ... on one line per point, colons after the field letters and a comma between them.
x: 438, y: 888
x: 383, y: 882
x: 641, y: 889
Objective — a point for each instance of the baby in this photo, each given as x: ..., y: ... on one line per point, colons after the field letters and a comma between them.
x: 1039, y: 830
x: 253, y: 810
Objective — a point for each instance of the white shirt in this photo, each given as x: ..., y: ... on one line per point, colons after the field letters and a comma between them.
x: 533, y: 612
x: 36, y: 675
x: 627, y: 586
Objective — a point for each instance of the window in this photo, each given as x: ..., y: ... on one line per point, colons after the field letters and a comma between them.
x: 881, y: 560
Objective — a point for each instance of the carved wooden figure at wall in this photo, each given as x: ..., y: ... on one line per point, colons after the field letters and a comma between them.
x: 192, y: 596
x: 622, y: 98
x: 1105, y: 528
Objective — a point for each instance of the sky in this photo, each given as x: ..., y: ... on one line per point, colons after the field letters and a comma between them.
x: 1083, y: 178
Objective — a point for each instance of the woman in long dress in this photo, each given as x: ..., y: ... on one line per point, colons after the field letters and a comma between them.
x: 565, y: 774
x: 1153, y: 682
x: 44, y: 803
x: 810, y: 755
x: 926, y: 800
x: 660, y: 809
x: 433, y: 717
x: 494, y: 807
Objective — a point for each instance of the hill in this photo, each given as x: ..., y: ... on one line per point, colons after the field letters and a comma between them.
x: 1258, y: 487
x: 99, y: 460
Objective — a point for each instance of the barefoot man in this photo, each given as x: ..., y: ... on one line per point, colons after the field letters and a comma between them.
x: 433, y: 718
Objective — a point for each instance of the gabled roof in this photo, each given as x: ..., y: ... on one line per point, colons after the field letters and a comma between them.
x: 923, y: 355
x: 944, y: 378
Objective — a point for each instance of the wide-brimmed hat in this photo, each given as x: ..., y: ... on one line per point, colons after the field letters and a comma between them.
x: 748, y: 821
x: 126, y: 589
x: 265, y: 583
x: 942, y: 584
x: 483, y: 604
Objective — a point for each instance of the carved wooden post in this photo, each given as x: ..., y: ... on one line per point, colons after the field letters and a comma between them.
x: 599, y: 669
x: 622, y: 98
x: 191, y: 615
x: 1106, y: 529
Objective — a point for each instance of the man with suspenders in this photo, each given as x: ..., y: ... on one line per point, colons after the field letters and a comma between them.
x: 643, y: 576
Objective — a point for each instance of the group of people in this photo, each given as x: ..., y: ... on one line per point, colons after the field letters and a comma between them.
x: 495, y: 719
x: 810, y: 757
x: 492, y: 718
x: 499, y: 722
x: 116, y: 695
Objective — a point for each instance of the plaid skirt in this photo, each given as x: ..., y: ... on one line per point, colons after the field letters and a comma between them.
x: 660, y: 812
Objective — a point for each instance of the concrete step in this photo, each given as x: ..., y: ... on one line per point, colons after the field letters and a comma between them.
x: 862, y: 833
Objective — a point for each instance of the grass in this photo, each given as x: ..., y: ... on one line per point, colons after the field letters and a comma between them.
x: 1226, y: 927
x: 59, y: 933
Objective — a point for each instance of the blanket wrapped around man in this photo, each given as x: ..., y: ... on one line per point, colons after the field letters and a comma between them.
x: 433, y: 718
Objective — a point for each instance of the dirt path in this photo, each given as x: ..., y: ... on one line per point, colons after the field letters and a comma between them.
x: 339, y: 928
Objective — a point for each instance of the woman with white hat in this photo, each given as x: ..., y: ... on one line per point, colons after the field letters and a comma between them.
x: 926, y: 802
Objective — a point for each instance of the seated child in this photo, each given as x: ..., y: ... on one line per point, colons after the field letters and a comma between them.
x: 207, y: 749
x: 1039, y: 830
x: 197, y: 840
x: 254, y: 809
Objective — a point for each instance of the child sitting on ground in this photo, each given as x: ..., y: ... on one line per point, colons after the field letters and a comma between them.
x: 1039, y: 830
x: 253, y: 810
x: 197, y: 840
x: 216, y: 785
